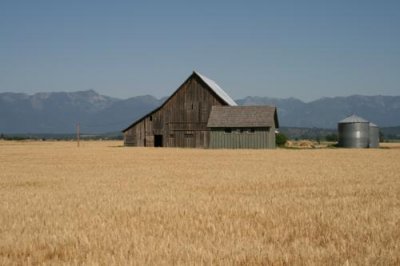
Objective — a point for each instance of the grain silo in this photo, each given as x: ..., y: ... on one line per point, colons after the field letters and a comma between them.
x: 353, y: 132
x: 373, y: 136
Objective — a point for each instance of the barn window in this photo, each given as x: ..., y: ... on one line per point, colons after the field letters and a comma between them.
x: 151, y: 118
x: 189, y: 134
x: 252, y: 130
x: 228, y: 130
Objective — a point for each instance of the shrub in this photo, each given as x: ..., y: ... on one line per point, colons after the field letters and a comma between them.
x: 331, y: 137
x: 280, y: 139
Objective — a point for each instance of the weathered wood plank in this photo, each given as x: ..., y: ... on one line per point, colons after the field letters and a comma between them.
x: 187, y: 109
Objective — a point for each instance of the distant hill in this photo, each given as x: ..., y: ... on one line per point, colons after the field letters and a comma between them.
x: 58, y: 112
x: 326, y: 112
x: 391, y: 132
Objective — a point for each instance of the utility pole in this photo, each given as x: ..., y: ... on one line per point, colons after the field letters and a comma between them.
x: 78, y: 133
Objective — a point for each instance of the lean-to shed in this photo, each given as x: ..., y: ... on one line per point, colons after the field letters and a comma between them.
x: 249, y: 127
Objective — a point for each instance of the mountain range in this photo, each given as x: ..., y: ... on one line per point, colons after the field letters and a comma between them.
x: 59, y: 112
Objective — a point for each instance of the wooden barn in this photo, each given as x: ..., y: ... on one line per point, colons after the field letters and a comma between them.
x: 243, y: 127
x: 183, y: 120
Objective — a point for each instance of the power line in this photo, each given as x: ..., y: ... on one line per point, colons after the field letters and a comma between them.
x: 105, y: 125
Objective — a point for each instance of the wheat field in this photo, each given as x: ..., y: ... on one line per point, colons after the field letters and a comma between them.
x: 103, y: 204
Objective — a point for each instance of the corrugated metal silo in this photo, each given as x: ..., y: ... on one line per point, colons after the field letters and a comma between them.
x: 353, y: 132
x: 373, y: 136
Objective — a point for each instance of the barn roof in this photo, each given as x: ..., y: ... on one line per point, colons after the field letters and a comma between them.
x: 353, y: 119
x: 217, y: 89
x: 212, y: 85
x: 243, y: 116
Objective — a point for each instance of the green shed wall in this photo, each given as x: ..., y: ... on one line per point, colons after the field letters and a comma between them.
x: 261, y: 138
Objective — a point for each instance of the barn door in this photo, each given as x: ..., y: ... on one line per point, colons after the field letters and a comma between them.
x: 190, y: 141
x: 158, y: 140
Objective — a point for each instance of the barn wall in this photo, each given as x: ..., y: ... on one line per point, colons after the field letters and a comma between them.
x: 181, y: 121
x: 271, y: 138
x: 261, y: 138
x: 129, y: 138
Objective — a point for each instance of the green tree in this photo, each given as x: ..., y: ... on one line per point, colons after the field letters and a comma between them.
x: 331, y: 137
x: 280, y: 139
x: 381, y: 136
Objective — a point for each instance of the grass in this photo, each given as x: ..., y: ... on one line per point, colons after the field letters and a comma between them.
x: 103, y: 204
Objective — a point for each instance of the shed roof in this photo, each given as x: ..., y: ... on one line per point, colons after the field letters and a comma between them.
x: 217, y: 89
x: 243, y: 116
x: 353, y: 119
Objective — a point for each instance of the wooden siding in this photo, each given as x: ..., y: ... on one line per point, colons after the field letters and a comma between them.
x: 261, y: 138
x: 181, y: 120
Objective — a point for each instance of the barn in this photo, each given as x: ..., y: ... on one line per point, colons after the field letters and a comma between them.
x: 243, y: 127
x: 182, y: 120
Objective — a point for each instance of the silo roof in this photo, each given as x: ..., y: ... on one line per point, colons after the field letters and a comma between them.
x: 372, y: 125
x: 353, y: 119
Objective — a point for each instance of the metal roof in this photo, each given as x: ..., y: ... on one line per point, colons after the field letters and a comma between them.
x: 217, y: 89
x: 353, y: 119
x: 372, y: 125
x: 243, y: 116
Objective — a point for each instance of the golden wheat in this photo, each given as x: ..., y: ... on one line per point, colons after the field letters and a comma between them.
x: 105, y: 204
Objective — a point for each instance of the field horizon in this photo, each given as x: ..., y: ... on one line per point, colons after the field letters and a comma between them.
x: 102, y: 203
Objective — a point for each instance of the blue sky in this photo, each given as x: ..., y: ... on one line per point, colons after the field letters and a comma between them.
x: 303, y: 49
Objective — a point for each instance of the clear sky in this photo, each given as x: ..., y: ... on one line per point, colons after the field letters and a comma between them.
x: 303, y: 49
